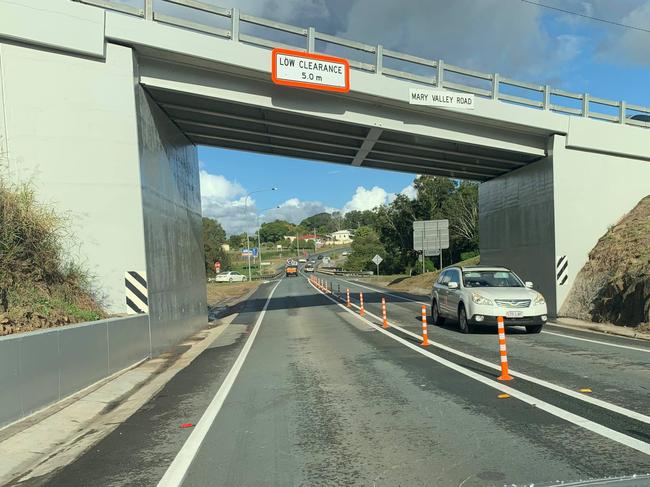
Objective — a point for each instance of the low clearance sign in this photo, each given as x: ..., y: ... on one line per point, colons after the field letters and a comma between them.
x: 308, y: 70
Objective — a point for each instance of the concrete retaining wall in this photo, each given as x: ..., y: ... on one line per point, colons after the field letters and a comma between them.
x: 40, y: 368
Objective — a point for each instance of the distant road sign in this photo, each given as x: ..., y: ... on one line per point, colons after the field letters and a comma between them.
x: 441, y: 98
x: 430, y: 235
x: 377, y: 259
x: 308, y: 70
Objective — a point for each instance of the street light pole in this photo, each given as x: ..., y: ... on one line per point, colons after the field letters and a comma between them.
x: 259, y: 244
x: 248, y: 242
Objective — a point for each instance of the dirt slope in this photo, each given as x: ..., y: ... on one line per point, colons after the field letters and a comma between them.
x: 614, y: 284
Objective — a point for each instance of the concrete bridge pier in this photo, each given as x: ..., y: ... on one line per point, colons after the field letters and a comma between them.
x: 77, y: 125
x: 543, y: 220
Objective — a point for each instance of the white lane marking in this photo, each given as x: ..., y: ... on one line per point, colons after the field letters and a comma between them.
x: 646, y: 350
x: 549, y: 385
x: 381, y: 291
x: 526, y: 398
x: 543, y: 331
x: 177, y: 470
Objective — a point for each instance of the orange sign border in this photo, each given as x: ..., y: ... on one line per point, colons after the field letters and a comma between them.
x: 304, y: 84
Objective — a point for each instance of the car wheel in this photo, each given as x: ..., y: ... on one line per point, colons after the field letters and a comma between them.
x: 464, y: 326
x: 436, y: 319
x: 533, y: 328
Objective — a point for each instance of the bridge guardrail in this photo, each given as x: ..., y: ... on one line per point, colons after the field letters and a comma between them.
x: 440, y: 74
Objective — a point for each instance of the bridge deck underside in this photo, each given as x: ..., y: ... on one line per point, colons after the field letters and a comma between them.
x: 242, y: 127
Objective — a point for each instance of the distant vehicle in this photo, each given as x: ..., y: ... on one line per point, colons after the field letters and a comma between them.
x: 641, y: 118
x: 312, y: 261
x: 477, y: 295
x: 345, y: 254
x: 320, y: 257
x: 309, y: 268
x: 291, y: 270
x: 292, y: 262
x: 230, y: 276
x: 302, y: 260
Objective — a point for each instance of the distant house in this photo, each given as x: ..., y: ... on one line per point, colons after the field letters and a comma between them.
x: 225, y: 247
x: 341, y: 237
x: 290, y: 238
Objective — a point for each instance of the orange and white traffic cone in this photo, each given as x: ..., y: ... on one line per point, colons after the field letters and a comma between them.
x: 502, y: 350
x: 361, y: 310
x: 383, y: 312
x: 425, y: 334
x: 347, y: 293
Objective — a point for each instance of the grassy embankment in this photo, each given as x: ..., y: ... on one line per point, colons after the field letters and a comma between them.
x: 420, y: 284
x: 40, y: 287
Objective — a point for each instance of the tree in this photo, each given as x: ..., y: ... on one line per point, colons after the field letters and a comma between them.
x: 322, y: 222
x: 275, y: 231
x: 214, y: 236
x: 355, y: 218
x: 365, y: 246
x: 237, y: 241
x: 462, y: 210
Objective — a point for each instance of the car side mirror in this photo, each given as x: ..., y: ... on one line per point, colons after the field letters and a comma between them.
x: 529, y: 284
x: 452, y: 285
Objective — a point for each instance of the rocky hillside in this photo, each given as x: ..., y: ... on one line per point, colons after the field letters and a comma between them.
x: 614, y: 285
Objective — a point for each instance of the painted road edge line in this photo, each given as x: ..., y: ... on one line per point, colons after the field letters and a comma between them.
x: 541, y: 382
x: 646, y: 350
x: 382, y: 291
x: 585, y: 423
x: 177, y: 470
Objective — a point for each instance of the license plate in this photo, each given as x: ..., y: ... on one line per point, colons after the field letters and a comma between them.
x: 514, y: 314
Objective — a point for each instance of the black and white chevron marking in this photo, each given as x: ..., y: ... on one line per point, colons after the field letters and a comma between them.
x: 135, y: 285
x: 562, y: 269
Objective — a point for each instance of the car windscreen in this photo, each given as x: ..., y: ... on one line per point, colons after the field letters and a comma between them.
x: 491, y: 279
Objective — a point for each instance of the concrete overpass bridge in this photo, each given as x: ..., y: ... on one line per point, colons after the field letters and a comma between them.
x: 103, y: 105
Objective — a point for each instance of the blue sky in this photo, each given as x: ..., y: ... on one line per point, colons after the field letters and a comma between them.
x: 512, y: 37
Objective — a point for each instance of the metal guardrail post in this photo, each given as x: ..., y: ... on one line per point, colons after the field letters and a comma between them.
x: 547, y: 97
x: 311, y: 40
x: 234, y: 28
x: 148, y: 9
x: 440, y: 74
x: 495, y: 86
x: 621, y: 113
x: 379, y: 59
x: 585, y: 105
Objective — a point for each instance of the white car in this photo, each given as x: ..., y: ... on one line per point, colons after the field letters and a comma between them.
x: 477, y: 295
x: 230, y: 276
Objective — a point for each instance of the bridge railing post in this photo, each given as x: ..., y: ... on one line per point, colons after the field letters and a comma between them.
x: 234, y: 27
x: 148, y: 9
x: 621, y: 112
x: 379, y: 59
x: 495, y: 86
x: 547, y: 97
x: 311, y: 39
x: 440, y: 74
x: 585, y: 105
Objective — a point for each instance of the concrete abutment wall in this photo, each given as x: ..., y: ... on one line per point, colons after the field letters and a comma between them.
x: 552, y: 212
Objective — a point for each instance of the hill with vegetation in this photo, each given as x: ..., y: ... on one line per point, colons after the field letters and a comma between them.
x: 39, y: 286
x: 614, y: 284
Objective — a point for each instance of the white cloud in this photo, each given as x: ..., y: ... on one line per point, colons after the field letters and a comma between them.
x: 295, y: 210
x: 367, y: 199
x: 410, y: 192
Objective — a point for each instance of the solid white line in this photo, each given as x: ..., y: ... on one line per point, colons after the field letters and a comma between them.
x: 646, y: 350
x: 381, y: 291
x: 541, y: 382
x: 543, y: 331
x: 177, y: 471
x: 554, y: 410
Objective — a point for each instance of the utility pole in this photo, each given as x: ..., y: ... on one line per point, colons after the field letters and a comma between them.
x: 248, y: 242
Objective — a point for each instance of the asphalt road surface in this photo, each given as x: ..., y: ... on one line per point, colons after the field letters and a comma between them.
x: 300, y: 391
